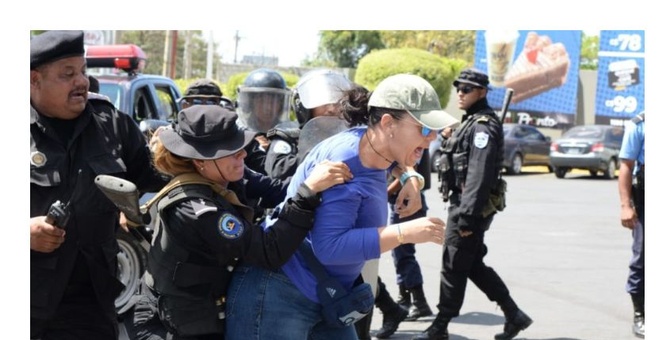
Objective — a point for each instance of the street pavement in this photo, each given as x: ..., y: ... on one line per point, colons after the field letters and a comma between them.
x: 561, y: 251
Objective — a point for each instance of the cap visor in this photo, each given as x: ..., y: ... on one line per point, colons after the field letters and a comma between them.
x: 435, y: 119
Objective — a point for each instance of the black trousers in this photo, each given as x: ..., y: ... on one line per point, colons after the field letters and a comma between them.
x: 463, y: 259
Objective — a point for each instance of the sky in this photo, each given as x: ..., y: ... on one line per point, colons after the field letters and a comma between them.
x: 289, y: 26
x: 290, y: 49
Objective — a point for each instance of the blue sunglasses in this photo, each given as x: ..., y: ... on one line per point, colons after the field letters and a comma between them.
x: 426, y: 131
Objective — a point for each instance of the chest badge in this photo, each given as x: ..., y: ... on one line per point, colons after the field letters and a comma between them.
x: 37, y: 159
x: 481, y: 139
x: 230, y: 227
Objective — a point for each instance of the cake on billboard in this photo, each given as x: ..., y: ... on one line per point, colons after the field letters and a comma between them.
x: 541, y: 66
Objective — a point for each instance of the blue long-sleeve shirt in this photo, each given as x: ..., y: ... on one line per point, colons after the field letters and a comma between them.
x: 345, y: 227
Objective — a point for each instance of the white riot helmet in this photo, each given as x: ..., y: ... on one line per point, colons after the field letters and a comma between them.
x: 317, y: 88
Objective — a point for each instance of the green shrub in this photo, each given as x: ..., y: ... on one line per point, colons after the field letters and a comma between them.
x: 440, y: 72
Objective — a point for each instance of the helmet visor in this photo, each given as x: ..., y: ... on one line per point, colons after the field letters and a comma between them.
x: 261, y: 108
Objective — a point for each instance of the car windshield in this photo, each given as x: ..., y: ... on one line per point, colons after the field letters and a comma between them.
x: 584, y: 132
x: 113, y: 91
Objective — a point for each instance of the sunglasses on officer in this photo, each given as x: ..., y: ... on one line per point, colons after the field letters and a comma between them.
x: 465, y: 89
x: 203, y: 101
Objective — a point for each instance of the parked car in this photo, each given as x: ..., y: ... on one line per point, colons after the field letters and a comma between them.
x: 525, y: 145
x: 118, y: 69
x: 590, y: 147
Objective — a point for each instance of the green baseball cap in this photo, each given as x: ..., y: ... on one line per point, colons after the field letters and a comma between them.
x: 413, y: 94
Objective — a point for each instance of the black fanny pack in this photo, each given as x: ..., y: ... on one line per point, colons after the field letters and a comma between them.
x: 340, y: 308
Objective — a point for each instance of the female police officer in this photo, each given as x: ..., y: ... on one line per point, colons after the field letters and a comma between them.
x: 205, y: 228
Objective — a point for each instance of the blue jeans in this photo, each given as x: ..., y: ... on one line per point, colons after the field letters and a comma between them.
x: 408, y: 271
x: 265, y: 304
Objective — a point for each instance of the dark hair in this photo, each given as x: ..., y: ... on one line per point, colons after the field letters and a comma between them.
x: 354, y: 106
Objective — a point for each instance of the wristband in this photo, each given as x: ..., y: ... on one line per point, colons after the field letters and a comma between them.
x: 407, y: 174
x: 401, y: 237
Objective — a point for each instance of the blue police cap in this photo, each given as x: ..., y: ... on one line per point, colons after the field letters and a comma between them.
x: 53, y: 45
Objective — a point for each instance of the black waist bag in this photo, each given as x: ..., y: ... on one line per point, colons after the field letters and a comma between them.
x: 340, y: 308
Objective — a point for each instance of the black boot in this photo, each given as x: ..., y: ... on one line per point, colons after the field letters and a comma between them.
x: 393, y: 313
x: 638, y: 315
x: 404, y: 297
x: 363, y: 327
x: 514, y: 325
x: 420, y: 307
x: 437, y: 330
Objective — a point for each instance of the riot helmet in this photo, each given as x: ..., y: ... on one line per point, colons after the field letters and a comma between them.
x: 318, y: 88
x: 263, y: 100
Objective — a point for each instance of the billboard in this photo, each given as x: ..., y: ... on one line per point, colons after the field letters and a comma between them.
x: 541, y: 66
x: 620, y: 87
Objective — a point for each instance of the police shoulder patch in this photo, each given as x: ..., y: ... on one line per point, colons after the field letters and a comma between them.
x: 230, y: 226
x: 481, y: 139
x: 281, y: 147
x: 483, y: 119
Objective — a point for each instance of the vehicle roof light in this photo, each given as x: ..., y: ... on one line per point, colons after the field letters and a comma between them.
x: 127, y: 57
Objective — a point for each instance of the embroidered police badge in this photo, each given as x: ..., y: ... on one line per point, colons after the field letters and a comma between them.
x: 230, y: 227
x: 481, y: 139
x: 281, y: 147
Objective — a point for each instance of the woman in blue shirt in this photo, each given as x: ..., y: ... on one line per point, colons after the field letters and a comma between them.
x: 390, y: 130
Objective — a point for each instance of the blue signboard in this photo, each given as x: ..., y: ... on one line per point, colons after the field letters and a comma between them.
x: 620, y: 89
x: 541, y: 66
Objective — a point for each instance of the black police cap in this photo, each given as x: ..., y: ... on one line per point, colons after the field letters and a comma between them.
x: 473, y: 77
x: 53, y: 45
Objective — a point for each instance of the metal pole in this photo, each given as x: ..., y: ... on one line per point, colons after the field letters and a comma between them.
x: 210, y: 54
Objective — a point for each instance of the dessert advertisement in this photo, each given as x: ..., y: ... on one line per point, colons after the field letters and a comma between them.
x: 620, y: 87
x: 541, y: 66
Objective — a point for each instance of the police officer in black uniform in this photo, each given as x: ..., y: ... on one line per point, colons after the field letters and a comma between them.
x: 205, y: 92
x: 73, y: 139
x: 262, y: 103
x: 316, y: 94
x: 205, y: 225
x: 475, y: 153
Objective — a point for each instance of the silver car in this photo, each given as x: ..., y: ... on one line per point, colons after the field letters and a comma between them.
x: 590, y: 147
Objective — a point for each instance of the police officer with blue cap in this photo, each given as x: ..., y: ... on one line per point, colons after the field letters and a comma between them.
x: 73, y: 139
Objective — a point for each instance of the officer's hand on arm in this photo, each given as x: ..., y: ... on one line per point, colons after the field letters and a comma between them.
x: 45, y: 237
x: 628, y: 214
x: 327, y: 174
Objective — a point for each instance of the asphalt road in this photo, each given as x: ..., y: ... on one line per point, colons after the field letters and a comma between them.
x: 562, y: 253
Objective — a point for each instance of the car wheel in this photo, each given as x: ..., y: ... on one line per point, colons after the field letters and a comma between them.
x: 610, y: 172
x: 560, y: 172
x: 593, y: 173
x: 132, y: 261
x: 435, y: 162
x: 515, y: 165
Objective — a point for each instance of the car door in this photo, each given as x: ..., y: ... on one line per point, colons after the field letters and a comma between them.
x: 537, y: 146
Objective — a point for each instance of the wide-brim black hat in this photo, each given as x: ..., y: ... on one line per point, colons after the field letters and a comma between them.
x: 205, y: 132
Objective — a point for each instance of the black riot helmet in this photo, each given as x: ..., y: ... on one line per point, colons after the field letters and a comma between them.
x: 263, y: 100
x: 317, y: 88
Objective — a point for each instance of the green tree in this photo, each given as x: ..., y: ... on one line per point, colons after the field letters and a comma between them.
x: 346, y: 48
x: 589, y: 52
x: 451, y: 44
